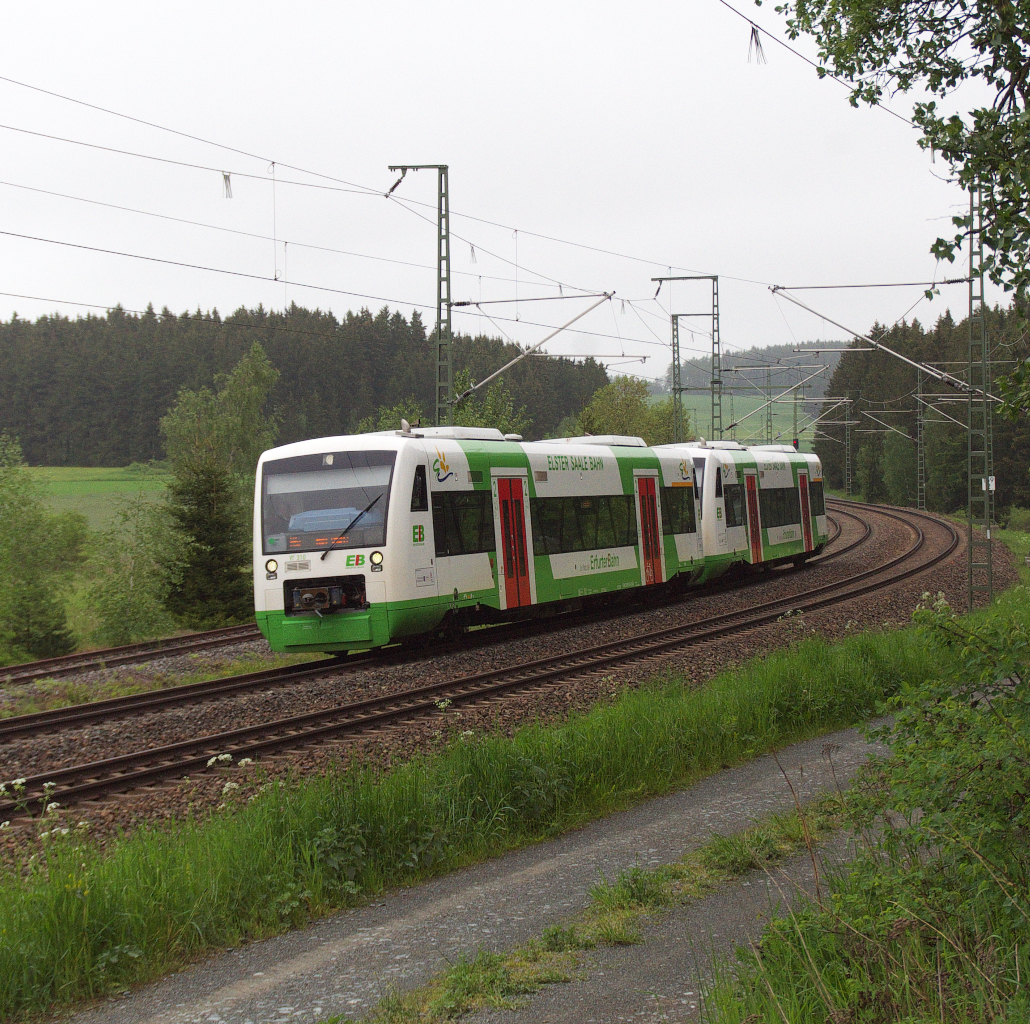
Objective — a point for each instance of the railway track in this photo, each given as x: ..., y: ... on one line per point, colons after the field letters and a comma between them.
x: 40, y: 722
x: 118, y: 774
x: 130, y: 654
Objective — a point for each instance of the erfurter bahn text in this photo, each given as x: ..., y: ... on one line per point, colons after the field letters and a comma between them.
x: 365, y: 540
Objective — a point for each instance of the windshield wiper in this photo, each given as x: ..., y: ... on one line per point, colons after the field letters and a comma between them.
x: 332, y: 543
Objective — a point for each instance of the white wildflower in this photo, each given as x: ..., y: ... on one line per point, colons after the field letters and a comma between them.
x: 244, y: 761
x: 51, y: 807
x: 229, y: 787
x: 5, y: 824
x: 61, y: 831
x: 18, y: 783
x: 225, y: 758
x: 43, y: 835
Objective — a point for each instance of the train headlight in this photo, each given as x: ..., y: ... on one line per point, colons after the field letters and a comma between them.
x: 376, y: 558
x: 271, y: 565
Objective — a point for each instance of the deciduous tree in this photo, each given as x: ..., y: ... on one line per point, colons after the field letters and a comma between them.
x: 939, y: 46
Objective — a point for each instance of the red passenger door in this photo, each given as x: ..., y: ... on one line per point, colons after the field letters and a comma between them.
x: 514, y: 559
x: 754, y: 523
x: 650, y: 532
x: 806, y: 511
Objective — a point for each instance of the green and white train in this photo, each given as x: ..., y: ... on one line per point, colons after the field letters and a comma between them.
x: 363, y: 541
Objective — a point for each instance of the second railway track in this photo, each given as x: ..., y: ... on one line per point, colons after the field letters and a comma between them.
x: 77, y: 715
x: 129, y: 771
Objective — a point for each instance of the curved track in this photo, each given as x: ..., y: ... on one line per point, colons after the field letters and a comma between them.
x: 134, y: 654
x: 118, y: 774
x: 40, y: 722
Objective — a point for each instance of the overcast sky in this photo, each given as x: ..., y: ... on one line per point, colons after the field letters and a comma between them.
x: 641, y: 129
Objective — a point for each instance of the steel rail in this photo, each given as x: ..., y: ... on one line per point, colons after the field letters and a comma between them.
x: 76, y: 715
x: 149, y: 650
x: 68, y: 664
x: 129, y: 771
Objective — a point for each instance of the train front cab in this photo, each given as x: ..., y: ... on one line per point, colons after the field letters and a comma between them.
x: 341, y: 525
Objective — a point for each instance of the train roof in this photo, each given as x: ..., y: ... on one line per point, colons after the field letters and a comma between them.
x: 609, y: 440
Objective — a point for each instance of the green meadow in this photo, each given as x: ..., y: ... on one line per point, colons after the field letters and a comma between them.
x: 98, y: 492
x: 751, y: 430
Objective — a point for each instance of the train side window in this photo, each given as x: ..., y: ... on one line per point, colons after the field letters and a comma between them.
x: 734, y: 505
x: 718, y: 482
x: 419, y: 491
x: 581, y: 524
x: 678, y: 510
x: 780, y: 506
x: 463, y: 523
x: 816, y: 499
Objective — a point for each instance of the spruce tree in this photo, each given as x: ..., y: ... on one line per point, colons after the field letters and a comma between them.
x: 212, y: 585
x: 213, y: 442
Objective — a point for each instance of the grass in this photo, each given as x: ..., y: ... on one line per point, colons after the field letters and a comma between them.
x: 751, y: 431
x: 930, y: 922
x: 614, y: 917
x: 98, y: 492
x: 79, y: 921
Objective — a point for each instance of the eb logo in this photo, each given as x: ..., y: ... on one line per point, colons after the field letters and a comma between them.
x: 418, y: 534
x: 355, y: 559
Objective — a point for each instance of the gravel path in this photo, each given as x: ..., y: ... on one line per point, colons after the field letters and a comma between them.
x: 345, y: 963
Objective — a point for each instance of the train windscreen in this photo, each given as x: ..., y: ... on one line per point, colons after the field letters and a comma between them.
x: 337, y: 499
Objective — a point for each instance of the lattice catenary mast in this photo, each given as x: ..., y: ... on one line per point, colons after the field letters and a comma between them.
x: 444, y: 364
x: 715, y: 385
x: 980, y: 487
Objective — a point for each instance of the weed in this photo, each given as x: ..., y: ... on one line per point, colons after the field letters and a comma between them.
x: 558, y: 939
x: 736, y: 854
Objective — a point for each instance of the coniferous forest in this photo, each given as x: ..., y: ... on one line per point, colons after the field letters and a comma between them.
x: 91, y: 391
x: 884, y: 462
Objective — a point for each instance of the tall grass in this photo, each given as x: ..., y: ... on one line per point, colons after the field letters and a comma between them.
x: 80, y: 921
x: 931, y: 921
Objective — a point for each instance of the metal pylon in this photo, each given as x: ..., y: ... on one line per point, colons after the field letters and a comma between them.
x: 980, y: 486
x: 847, y: 448
x: 444, y: 365
x: 800, y: 393
x: 677, y: 382
x: 768, y: 407
x: 920, y: 445
x: 716, y: 364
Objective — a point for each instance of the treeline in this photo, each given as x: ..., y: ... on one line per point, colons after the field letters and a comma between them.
x: 884, y: 462
x: 91, y: 391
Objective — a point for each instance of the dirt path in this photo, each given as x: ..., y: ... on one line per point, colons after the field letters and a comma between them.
x: 345, y: 963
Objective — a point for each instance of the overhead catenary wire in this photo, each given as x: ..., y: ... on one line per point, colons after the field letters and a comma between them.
x: 522, y: 355
x: 946, y: 378
x: 891, y: 284
x: 808, y: 60
x: 181, y: 134
x: 256, y: 234
x: 351, y: 186
x: 293, y: 283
